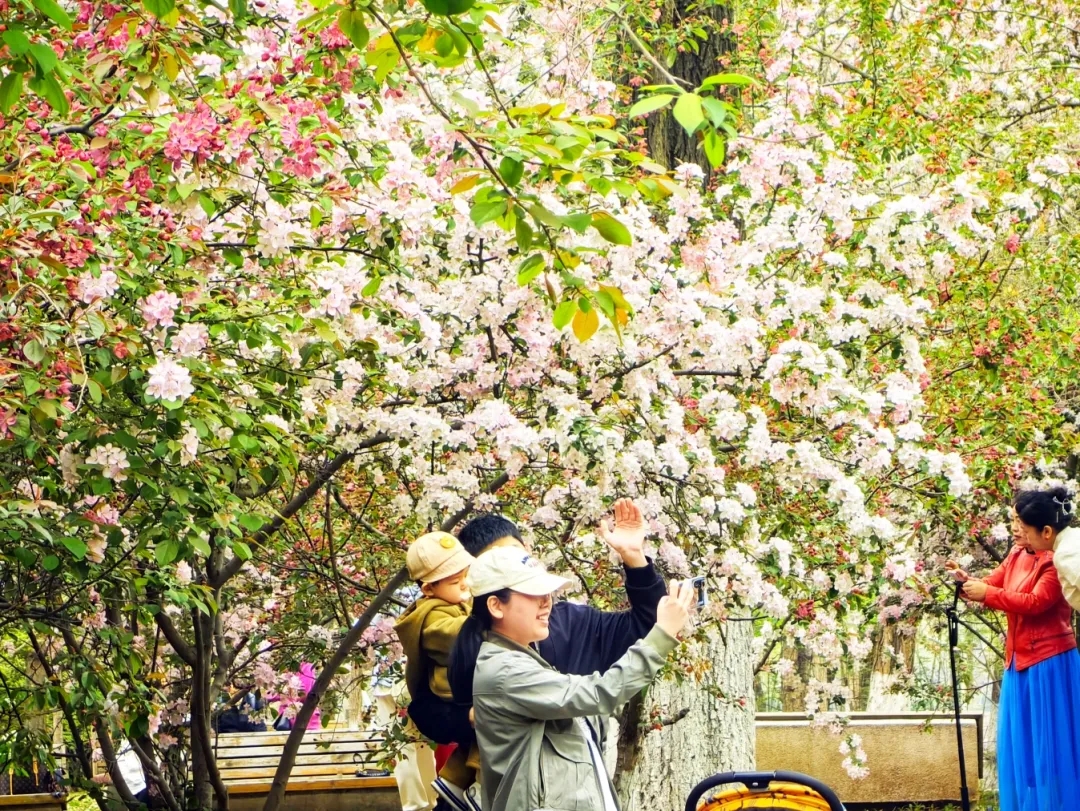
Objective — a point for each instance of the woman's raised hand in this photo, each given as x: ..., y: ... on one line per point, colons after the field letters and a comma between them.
x: 674, y: 610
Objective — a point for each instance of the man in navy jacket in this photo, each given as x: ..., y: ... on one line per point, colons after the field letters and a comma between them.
x: 582, y: 640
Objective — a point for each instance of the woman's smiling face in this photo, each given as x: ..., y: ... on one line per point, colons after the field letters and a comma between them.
x: 522, y: 618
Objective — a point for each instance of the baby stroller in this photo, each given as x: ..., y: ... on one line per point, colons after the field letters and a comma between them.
x: 767, y: 790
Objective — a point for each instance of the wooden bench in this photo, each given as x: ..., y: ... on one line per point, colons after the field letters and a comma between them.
x: 911, y: 756
x: 32, y: 802
x: 324, y: 777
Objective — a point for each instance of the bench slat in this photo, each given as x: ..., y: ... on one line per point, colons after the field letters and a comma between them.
x: 337, y: 761
x: 279, y: 738
x: 305, y: 749
x: 331, y: 769
x: 343, y: 784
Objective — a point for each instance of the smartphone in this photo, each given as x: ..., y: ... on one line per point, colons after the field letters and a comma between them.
x: 699, y: 587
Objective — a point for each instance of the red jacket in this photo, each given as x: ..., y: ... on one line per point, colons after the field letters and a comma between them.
x: 1026, y: 588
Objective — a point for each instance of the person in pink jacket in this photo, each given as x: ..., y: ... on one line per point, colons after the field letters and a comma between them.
x: 306, y: 677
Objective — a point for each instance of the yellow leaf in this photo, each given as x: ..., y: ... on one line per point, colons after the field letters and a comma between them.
x: 617, y: 297
x: 172, y: 70
x: 491, y: 21
x: 99, y: 143
x: 621, y: 316
x: 427, y: 42
x: 569, y: 260
x: 115, y: 23
x: 586, y: 324
x: 465, y: 184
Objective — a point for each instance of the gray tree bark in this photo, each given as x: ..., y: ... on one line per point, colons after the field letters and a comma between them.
x: 668, y: 142
x: 681, y: 733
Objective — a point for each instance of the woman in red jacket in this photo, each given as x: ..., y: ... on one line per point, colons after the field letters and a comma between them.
x: 1038, y: 745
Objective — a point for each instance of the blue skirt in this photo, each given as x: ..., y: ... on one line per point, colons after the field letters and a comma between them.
x: 1038, y: 746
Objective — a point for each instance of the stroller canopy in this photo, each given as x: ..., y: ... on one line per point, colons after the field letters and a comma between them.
x: 763, y: 790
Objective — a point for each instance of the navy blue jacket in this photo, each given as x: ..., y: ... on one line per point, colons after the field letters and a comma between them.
x: 581, y: 641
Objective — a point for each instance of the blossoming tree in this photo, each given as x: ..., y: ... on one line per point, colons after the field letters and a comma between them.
x: 278, y: 267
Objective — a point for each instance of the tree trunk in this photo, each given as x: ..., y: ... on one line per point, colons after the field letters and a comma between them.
x: 668, y: 142
x: 793, y: 684
x: 705, y: 726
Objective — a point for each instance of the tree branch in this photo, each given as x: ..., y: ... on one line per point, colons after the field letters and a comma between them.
x: 644, y: 51
x: 325, y: 474
x: 173, y: 637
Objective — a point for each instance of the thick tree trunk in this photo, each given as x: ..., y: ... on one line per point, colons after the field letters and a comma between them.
x: 705, y: 726
x: 668, y: 142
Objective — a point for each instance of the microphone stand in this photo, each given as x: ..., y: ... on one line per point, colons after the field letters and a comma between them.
x: 954, y: 639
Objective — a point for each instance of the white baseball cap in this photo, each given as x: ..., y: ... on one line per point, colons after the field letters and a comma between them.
x: 510, y: 567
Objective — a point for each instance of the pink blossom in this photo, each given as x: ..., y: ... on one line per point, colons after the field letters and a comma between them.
x: 94, y: 288
x: 1012, y: 243
x: 195, y: 136
x: 169, y: 381
x: 95, y: 548
x: 112, y: 459
x: 183, y: 572
x: 159, y: 308
x: 190, y: 340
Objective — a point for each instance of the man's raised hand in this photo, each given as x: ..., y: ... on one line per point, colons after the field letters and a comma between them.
x: 627, y: 535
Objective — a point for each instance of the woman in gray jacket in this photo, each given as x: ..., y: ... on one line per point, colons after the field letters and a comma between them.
x: 538, y: 749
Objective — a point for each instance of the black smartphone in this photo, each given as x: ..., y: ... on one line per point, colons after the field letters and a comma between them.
x: 699, y: 587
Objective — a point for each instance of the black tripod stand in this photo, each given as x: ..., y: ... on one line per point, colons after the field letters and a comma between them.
x: 954, y: 639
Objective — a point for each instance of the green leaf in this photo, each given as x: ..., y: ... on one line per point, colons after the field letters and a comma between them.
x: 716, y: 110
x: 444, y: 45
x: 486, y: 212
x: 166, y: 552
x: 372, y: 287
x: 578, y: 222
x: 384, y: 61
x: 611, y: 229
x: 511, y: 171
x: 17, y: 41
x: 252, y: 523
x: 530, y: 269
x: 159, y: 8
x: 715, y: 148
x: 25, y: 556
x: 717, y: 79
x: 10, y: 90
x: 33, y: 351
x: 242, y: 550
x: 51, y: 563
x: 45, y: 57
x: 447, y: 8
x: 52, y: 10
x: 76, y: 547
x: 239, y: 8
x: 563, y: 313
x: 546, y: 217
x: 49, y: 89
x: 200, y: 544
x: 523, y: 233
x: 351, y: 22
x: 650, y: 104
x: 688, y: 112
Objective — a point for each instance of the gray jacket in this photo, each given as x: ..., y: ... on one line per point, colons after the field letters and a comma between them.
x: 534, y: 754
